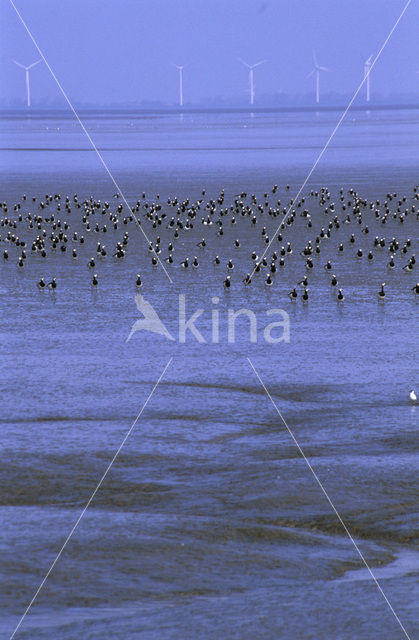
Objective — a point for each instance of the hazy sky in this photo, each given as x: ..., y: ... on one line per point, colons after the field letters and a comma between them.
x: 122, y: 50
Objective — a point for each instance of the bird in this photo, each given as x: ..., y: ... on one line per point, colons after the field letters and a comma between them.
x: 293, y: 295
x: 409, y: 265
x: 412, y: 396
x: 382, y: 293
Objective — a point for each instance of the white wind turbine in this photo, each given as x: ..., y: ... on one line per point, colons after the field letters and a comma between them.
x: 28, y: 88
x: 316, y: 70
x: 251, y: 80
x: 180, y: 69
x: 367, y: 67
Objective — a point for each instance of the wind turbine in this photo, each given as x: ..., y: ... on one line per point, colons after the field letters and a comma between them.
x: 180, y: 68
x: 28, y: 89
x: 316, y: 70
x: 367, y: 67
x: 251, y: 82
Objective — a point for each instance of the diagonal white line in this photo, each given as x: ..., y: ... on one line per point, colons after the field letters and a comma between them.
x: 57, y: 557
x: 329, y: 500
x: 88, y: 136
x: 330, y: 138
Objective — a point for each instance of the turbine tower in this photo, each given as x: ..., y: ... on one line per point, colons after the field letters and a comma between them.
x: 28, y: 88
x: 180, y: 68
x: 251, y: 81
x: 316, y: 70
x: 367, y: 67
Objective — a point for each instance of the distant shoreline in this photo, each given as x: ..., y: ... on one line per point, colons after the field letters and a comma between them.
x: 39, y: 111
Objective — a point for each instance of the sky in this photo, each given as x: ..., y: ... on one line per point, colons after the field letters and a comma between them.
x: 124, y: 51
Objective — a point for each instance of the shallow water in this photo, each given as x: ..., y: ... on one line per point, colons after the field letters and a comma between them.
x: 209, y: 524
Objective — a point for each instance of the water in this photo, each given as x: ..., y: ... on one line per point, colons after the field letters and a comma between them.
x: 209, y: 524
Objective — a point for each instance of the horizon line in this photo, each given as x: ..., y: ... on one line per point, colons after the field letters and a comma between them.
x: 211, y: 109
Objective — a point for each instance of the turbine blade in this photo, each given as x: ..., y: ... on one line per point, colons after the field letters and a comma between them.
x: 315, y: 58
x: 33, y: 64
x: 19, y: 65
x: 258, y: 63
x: 311, y: 73
x: 245, y: 63
x: 323, y: 68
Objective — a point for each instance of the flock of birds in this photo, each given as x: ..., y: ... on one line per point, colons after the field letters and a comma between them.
x: 58, y: 225
x: 52, y: 227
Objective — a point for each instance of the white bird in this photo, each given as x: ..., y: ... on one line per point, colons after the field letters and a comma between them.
x: 28, y: 89
x: 151, y: 320
x: 412, y: 396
